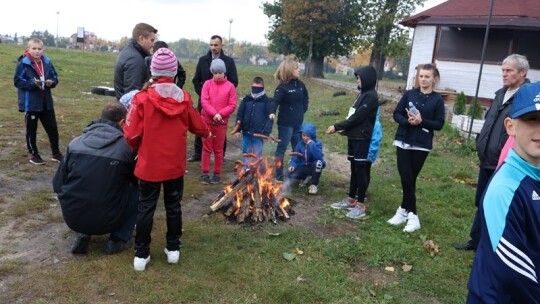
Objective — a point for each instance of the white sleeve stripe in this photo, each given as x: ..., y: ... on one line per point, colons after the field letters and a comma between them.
x: 517, y: 251
x: 511, y: 263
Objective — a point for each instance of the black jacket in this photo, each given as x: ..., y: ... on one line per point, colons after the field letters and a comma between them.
x: 93, y: 179
x: 202, y: 71
x: 431, y: 107
x: 292, y: 99
x: 360, y: 124
x: 493, y: 136
x: 253, y: 115
x: 130, y: 70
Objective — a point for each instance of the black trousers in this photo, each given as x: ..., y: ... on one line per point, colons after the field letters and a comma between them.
x: 409, y: 163
x: 149, y: 194
x: 484, y: 176
x: 48, y: 121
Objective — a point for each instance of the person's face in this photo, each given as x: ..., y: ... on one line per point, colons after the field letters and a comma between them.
x: 426, y: 79
x: 219, y: 76
x: 215, y: 46
x: 512, y: 77
x: 358, y: 81
x: 147, y: 43
x: 296, y: 71
x: 36, y: 50
x: 305, y: 138
x: 526, y: 131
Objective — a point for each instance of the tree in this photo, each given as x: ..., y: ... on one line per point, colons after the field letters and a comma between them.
x: 313, y: 29
x: 384, y: 36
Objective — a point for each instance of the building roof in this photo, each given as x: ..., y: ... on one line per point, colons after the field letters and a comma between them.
x: 524, y: 14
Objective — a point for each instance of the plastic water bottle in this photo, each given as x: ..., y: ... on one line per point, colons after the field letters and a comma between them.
x: 412, y: 108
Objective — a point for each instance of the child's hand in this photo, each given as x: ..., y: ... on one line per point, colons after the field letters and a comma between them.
x: 48, y: 82
x: 331, y: 130
x: 291, y: 168
x: 272, y: 116
x: 218, y: 117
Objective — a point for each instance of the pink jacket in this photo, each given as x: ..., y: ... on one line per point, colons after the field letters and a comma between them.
x: 217, y: 97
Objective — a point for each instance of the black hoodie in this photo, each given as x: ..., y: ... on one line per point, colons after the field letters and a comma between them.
x: 360, y: 124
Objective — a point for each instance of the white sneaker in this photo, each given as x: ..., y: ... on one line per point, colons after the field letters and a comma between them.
x: 140, y: 264
x: 399, y: 218
x: 344, y: 204
x: 413, y: 223
x: 358, y: 212
x: 172, y: 256
x: 313, y: 189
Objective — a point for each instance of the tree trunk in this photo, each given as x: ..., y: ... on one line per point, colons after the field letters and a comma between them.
x: 382, y: 36
x: 314, y: 68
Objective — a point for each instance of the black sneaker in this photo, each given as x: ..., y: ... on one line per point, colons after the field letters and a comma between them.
x: 36, y: 160
x: 205, y: 179
x: 57, y: 157
x: 113, y: 247
x: 194, y: 158
x: 81, y: 243
x: 215, y: 179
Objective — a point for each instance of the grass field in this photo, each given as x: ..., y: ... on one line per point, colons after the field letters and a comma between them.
x: 342, y: 261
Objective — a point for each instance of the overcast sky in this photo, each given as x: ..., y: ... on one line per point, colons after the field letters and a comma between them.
x: 114, y: 19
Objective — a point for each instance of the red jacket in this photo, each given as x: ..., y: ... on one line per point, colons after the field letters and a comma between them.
x: 156, y: 127
x: 218, y: 97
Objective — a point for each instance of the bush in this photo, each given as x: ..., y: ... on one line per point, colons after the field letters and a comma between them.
x: 459, y: 105
x: 479, y: 111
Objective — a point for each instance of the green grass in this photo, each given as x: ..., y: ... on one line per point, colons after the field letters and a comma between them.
x: 342, y: 262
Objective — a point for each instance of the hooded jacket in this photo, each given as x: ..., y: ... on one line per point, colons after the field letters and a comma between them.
x: 130, y: 71
x: 311, y: 152
x: 93, y: 179
x: 31, y: 98
x: 360, y: 124
x: 156, y: 127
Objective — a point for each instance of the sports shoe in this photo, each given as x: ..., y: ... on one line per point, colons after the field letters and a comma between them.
x: 140, y: 263
x: 216, y: 179
x: 172, y: 256
x: 205, y: 179
x: 81, y: 243
x: 344, y: 204
x: 36, y: 160
x: 413, y: 223
x: 469, y: 245
x: 194, y: 158
x: 399, y: 218
x: 313, y: 189
x: 357, y: 212
x: 57, y: 157
x: 304, y: 182
x: 113, y: 247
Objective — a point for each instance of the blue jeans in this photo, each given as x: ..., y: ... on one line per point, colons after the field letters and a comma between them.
x: 125, y: 230
x: 286, y: 135
x: 253, y: 145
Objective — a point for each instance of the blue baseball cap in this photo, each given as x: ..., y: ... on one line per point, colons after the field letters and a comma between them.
x: 526, y: 100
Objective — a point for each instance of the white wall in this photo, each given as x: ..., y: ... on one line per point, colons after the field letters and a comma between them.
x: 422, y: 49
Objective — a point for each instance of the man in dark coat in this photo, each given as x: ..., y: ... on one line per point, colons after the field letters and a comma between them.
x: 202, y: 74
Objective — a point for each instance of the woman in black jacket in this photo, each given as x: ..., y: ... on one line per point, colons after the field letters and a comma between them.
x: 419, y: 112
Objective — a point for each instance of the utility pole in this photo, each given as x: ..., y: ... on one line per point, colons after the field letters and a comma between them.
x: 229, y: 42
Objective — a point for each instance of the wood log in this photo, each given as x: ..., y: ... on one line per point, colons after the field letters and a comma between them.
x: 243, y: 213
x: 225, y: 199
x: 257, y: 206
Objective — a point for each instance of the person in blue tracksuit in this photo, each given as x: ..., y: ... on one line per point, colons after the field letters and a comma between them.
x: 307, y: 158
x: 508, y: 254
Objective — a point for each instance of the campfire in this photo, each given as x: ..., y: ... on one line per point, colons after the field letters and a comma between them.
x: 253, y: 196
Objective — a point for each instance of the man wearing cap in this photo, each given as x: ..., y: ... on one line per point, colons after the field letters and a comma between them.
x: 202, y: 74
x: 130, y: 71
x: 493, y: 135
x: 505, y: 268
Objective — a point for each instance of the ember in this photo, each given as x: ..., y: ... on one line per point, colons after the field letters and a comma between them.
x: 254, y: 196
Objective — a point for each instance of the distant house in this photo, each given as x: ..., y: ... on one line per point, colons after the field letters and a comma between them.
x: 452, y: 36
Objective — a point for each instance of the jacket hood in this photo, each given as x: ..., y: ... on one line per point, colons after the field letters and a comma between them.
x: 368, y: 77
x: 101, y: 133
x: 310, y: 130
x: 168, y: 98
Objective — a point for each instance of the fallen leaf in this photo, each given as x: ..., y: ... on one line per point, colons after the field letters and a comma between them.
x: 273, y: 234
x: 389, y: 268
x: 406, y: 268
x: 298, y: 251
x: 300, y: 279
x: 431, y: 247
x: 289, y: 256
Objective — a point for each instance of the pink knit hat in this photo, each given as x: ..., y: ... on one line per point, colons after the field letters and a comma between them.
x: 164, y: 63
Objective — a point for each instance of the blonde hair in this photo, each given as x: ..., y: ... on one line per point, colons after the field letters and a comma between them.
x: 284, y: 72
x: 36, y: 41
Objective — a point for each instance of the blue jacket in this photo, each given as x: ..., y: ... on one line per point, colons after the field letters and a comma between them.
x: 253, y: 115
x: 431, y: 107
x: 507, y: 261
x: 293, y: 100
x: 311, y: 152
x: 31, y: 98
x: 376, y: 138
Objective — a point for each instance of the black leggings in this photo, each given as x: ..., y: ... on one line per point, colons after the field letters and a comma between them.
x: 409, y: 163
x: 359, y: 180
x: 48, y: 121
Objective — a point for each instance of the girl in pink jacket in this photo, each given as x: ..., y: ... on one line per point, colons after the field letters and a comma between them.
x: 218, y: 100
